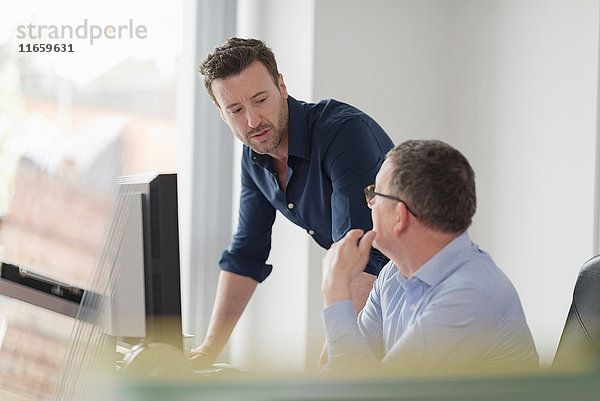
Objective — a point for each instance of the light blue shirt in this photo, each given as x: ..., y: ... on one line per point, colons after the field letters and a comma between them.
x: 458, y: 310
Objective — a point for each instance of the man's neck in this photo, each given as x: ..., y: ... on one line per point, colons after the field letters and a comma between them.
x: 279, y: 163
x: 415, y: 251
x: 281, y: 153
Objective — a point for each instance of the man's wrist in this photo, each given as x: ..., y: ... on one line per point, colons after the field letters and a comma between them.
x: 336, y: 292
x: 209, y: 349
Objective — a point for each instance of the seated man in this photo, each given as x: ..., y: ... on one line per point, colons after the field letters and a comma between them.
x: 440, y: 303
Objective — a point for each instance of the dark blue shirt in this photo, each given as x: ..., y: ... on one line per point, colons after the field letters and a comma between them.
x: 334, y: 152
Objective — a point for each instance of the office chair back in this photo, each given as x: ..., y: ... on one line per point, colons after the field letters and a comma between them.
x: 579, y: 347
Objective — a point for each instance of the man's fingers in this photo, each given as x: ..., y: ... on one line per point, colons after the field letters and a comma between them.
x: 358, y: 237
x: 352, y: 236
x: 366, y: 241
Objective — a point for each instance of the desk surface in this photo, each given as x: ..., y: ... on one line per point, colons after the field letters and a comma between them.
x: 546, y: 387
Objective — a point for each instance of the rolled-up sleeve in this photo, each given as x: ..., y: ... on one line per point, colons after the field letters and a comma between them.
x: 251, y: 243
x: 353, y: 159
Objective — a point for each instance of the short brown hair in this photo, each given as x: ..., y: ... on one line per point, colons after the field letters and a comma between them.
x: 232, y: 57
x: 437, y: 181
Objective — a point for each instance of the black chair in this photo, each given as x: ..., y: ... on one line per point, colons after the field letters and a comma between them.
x: 579, y: 346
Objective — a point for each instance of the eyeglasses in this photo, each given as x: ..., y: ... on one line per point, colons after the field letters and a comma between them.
x: 370, y: 195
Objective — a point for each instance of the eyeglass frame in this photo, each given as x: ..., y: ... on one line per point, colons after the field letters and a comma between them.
x: 370, y: 189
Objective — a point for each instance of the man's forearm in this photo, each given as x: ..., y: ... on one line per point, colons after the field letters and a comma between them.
x: 360, y: 288
x: 233, y: 293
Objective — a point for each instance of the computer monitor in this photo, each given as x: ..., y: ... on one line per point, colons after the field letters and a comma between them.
x: 146, y: 299
x: 134, y: 293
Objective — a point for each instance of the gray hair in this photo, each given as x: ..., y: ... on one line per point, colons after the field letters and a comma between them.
x: 436, y: 181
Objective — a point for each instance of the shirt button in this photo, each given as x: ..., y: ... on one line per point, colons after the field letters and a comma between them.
x: 413, y: 306
x: 311, y: 232
x: 290, y: 206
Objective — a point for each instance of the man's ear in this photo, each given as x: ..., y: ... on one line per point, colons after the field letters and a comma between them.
x: 400, y: 218
x: 282, y: 87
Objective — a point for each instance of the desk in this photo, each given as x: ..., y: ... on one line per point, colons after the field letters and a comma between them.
x: 543, y: 387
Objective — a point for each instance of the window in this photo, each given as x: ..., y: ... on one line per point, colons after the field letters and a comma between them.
x: 72, y: 119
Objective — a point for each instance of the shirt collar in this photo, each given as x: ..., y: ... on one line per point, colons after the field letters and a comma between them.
x: 298, y: 143
x: 442, y: 263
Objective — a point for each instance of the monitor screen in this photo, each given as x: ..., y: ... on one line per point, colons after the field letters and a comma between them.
x: 134, y: 293
x: 160, y: 238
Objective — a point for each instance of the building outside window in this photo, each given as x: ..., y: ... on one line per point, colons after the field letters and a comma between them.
x: 70, y: 123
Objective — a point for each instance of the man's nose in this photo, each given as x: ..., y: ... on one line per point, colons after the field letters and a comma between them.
x: 253, y: 118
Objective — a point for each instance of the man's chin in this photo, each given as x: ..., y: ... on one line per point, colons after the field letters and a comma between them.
x: 263, y: 148
x: 374, y: 245
x: 260, y: 150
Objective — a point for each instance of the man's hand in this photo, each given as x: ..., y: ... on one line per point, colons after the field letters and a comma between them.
x: 201, y: 358
x: 233, y: 293
x: 344, y: 261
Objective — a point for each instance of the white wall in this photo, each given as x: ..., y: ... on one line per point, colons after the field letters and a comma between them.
x: 388, y: 58
x: 511, y: 83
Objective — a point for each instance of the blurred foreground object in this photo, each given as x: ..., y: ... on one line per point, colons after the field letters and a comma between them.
x: 129, y: 320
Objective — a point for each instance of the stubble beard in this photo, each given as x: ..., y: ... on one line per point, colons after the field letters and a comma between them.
x: 280, y: 131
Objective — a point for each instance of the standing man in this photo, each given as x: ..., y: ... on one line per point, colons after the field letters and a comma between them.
x: 309, y: 161
x: 440, y: 303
